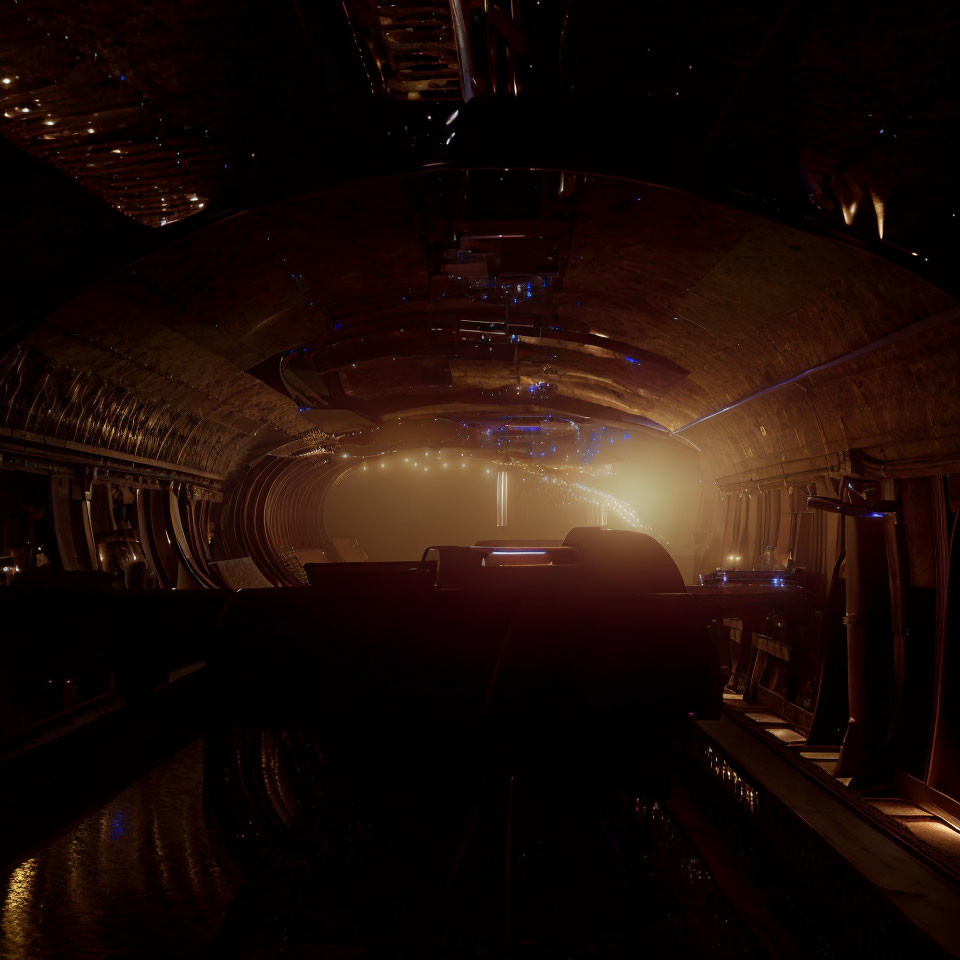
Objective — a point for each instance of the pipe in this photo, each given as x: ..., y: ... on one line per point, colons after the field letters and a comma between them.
x: 892, y: 537
x: 853, y: 753
x: 464, y: 56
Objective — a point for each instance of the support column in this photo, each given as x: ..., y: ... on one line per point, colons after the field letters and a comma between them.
x: 870, y: 651
x: 503, y: 501
x: 854, y: 752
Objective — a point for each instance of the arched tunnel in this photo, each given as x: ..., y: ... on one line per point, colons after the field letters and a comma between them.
x: 479, y: 478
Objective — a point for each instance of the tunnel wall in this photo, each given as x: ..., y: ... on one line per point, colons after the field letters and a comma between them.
x: 276, y: 510
x: 907, y: 575
x: 897, y: 404
x: 74, y: 512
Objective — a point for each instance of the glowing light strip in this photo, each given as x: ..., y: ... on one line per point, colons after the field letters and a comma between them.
x: 502, y: 497
x: 518, y: 553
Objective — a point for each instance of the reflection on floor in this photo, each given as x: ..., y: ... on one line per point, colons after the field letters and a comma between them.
x: 136, y: 878
x: 567, y: 874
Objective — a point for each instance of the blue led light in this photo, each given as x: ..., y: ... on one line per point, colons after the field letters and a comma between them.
x: 118, y: 825
x: 518, y: 553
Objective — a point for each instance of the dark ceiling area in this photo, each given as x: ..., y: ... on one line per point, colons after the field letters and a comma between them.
x: 831, y: 111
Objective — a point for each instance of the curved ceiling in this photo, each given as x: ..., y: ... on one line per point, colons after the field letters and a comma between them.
x: 406, y: 296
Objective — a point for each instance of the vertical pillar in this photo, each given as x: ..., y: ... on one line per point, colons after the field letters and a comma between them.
x: 61, y: 505
x: 943, y: 768
x: 854, y: 751
x: 502, y: 496
x: 870, y: 651
x: 87, y: 514
x: 600, y: 513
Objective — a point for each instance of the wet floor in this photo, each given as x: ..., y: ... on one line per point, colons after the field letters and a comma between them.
x: 136, y: 878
